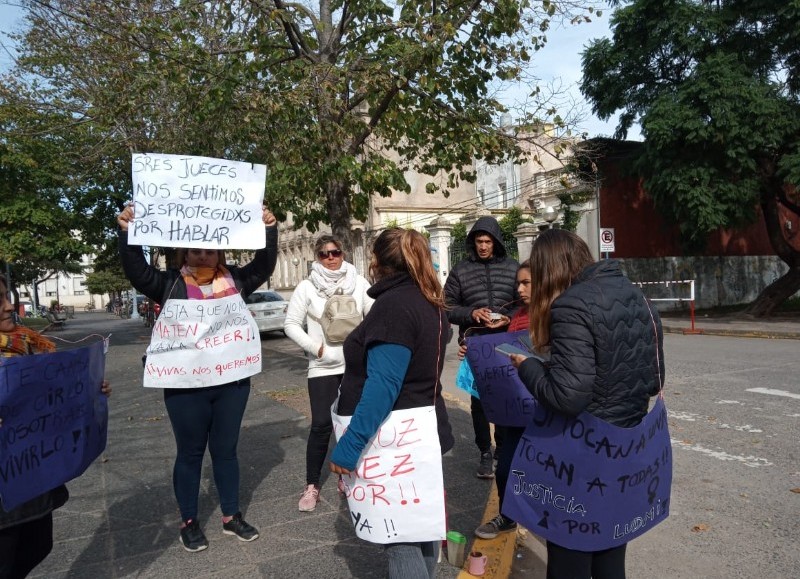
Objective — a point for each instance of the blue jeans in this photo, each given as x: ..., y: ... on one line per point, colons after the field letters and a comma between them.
x: 412, y: 560
x: 207, y: 417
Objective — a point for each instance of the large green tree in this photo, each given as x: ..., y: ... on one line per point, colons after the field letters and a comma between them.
x: 316, y: 90
x: 37, y: 231
x: 715, y: 86
x: 107, y: 282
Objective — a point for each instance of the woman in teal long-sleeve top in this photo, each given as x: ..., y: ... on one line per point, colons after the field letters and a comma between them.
x: 393, y: 361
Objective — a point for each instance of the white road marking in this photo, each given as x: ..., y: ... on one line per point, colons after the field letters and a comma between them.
x: 774, y: 392
x: 728, y: 402
x: 745, y: 428
x: 692, y: 417
x: 751, y: 461
x: 687, y: 416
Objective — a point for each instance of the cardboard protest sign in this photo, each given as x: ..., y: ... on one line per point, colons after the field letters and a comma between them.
x: 55, y: 420
x: 396, y: 493
x: 187, y: 201
x: 585, y: 484
x: 504, y: 398
x: 201, y: 343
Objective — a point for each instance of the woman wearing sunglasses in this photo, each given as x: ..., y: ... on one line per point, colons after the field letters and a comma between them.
x: 329, y: 274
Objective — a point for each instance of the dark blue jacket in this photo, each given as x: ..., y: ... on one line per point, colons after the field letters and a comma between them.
x: 476, y: 283
x: 161, y: 285
x: 606, y: 350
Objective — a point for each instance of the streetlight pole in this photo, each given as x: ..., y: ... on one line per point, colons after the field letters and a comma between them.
x: 295, y: 263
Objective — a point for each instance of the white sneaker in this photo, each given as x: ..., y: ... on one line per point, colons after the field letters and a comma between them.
x: 309, y: 499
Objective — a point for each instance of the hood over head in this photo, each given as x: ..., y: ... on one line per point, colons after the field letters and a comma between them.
x: 490, y: 226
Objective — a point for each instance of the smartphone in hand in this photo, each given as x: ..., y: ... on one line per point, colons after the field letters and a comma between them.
x: 508, y: 349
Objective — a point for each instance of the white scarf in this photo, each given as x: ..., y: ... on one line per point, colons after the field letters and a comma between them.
x: 327, y: 281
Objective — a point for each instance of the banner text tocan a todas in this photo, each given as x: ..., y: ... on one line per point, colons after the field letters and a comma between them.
x: 588, y: 485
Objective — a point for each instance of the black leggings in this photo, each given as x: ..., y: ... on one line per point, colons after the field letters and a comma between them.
x: 483, y: 437
x: 24, y: 546
x: 563, y: 563
x: 511, y: 438
x: 322, y: 391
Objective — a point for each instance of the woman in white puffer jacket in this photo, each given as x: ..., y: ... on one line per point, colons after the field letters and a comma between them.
x: 329, y: 273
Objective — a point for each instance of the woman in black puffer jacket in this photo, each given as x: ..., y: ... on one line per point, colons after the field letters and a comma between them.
x: 606, y: 358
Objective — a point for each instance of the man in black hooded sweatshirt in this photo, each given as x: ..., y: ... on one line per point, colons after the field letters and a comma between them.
x: 482, y: 284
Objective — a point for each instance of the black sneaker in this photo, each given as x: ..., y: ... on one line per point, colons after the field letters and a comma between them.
x: 486, y: 466
x: 499, y: 524
x: 192, y: 537
x: 239, y: 527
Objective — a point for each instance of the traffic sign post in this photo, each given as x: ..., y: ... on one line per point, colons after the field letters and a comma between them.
x: 607, y: 240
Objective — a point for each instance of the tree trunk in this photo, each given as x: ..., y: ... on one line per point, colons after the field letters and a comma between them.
x: 786, y: 286
x: 775, y: 294
x: 339, y: 211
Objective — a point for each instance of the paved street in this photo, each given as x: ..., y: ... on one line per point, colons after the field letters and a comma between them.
x: 735, y: 423
x: 122, y: 521
x: 734, y: 407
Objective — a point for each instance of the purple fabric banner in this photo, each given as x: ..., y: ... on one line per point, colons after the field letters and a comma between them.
x: 55, y: 420
x: 587, y: 485
x: 505, y: 399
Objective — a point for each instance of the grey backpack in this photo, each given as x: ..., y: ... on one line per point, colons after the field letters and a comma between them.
x: 340, y: 316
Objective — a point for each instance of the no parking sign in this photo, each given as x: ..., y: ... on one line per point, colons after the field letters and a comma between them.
x: 607, y: 240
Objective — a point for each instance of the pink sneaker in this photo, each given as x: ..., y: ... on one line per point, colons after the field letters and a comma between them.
x: 309, y: 499
x: 341, y: 486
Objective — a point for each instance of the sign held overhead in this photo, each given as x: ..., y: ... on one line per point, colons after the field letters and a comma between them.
x: 188, y: 201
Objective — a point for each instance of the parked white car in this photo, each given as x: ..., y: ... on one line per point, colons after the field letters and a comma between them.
x: 268, y: 309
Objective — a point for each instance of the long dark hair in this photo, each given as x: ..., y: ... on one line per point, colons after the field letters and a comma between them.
x: 405, y: 250
x: 557, y: 256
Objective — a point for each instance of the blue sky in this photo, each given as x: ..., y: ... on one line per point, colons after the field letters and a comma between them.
x: 559, y: 61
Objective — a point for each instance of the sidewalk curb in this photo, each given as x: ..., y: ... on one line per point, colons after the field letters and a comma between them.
x: 499, y: 551
x: 707, y: 331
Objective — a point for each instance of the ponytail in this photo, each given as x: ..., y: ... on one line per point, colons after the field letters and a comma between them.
x: 406, y: 250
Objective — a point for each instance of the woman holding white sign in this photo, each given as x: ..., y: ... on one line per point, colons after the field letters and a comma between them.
x: 330, y: 274
x: 606, y: 359
x: 202, y: 411
x: 391, y: 385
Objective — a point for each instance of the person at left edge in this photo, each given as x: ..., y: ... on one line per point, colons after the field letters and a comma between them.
x: 26, y: 532
x: 203, y: 417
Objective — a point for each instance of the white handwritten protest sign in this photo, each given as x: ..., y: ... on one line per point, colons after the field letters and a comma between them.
x: 55, y: 420
x: 186, y: 201
x: 396, y: 492
x: 200, y: 343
